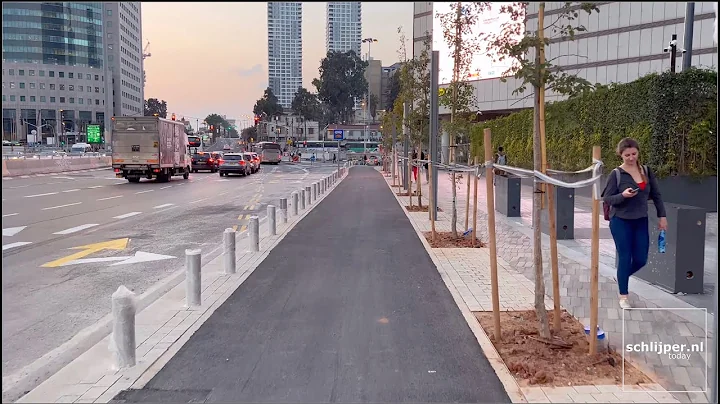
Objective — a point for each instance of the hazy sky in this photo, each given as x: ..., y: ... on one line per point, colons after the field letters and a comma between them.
x: 212, y: 57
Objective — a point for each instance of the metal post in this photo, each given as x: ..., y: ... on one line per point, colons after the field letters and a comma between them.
x: 406, y: 147
x: 673, y: 52
x: 193, y: 285
x: 394, y: 150
x: 229, y: 250
x: 434, y: 125
x: 284, y: 209
x: 123, y: 336
x: 254, y: 226
x: 272, y: 224
x: 688, y: 38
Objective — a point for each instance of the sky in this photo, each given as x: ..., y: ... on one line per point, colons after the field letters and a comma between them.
x: 212, y: 57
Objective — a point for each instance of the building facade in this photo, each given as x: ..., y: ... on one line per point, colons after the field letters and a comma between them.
x: 386, y: 83
x: 53, y: 71
x: 284, y: 50
x: 123, y: 38
x: 343, y: 27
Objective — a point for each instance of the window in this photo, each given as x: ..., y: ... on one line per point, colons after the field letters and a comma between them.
x: 42, y: 97
x: 72, y: 100
x: 62, y: 100
x: 32, y: 98
x: 70, y: 75
x: 81, y: 100
x: 12, y: 98
x: 109, y: 35
x: 61, y: 75
x: 97, y: 102
x: 62, y: 87
x: 22, y: 98
x: 97, y: 77
x: 4, y: 98
x: 109, y: 12
x: 88, y: 76
x: 80, y: 88
x: 32, y: 86
x: 71, y: 87
x: 12, y: 84
x: 42, y: 73
x: 109, y: 24
x: 21, y: 72
x: 52, y: 73
x: 52, y: 86
x: 11, y: 72
x: 42, y: 85
x: 22, y: 85
x: 32, y: 72
x: 52, y: 99
x: 97, y: 89
x: 89, y: 101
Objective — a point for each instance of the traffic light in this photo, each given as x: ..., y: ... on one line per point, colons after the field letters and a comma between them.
x: 212, y: 127
x: 173, y: 116
x: 257, y: 119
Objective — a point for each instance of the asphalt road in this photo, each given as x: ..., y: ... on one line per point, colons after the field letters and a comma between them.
x: 47, y: 300
x: 365, y: 317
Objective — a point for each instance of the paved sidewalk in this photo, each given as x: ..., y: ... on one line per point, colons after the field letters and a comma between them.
x: 514, y: 246
x: 347, y: 308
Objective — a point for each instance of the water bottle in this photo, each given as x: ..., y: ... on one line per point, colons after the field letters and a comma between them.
x: 661, y: 242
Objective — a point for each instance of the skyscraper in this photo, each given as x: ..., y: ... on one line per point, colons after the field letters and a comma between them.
x: 343, y: 28
x: 284, y: 50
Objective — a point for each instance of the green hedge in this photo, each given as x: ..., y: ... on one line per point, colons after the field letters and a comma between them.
x: 673, y: 117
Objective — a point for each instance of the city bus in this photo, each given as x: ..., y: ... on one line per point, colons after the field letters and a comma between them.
x: 323, y: 150
x: 360, y: 147
x: 269, y: 152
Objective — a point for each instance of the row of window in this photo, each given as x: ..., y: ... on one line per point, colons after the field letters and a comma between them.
x: 97, y: 54
x: 41, y: 86
x: 52, y: 27
x: 51, y: 73
x: 130, y: 86
x: 131, y: 97
x: 43, y: 98
x: 130, y: 107
x: 49, y: 14
x: 50, y: 38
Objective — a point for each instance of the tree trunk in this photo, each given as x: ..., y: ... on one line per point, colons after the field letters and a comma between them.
x: 537, y: 233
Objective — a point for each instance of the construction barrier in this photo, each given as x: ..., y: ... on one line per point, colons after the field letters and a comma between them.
x: 18, y: 167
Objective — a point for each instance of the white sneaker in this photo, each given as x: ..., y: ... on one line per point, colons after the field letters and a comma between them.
x: 625, y: 303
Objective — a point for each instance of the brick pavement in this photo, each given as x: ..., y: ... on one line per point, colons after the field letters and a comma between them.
x: 515, y: 249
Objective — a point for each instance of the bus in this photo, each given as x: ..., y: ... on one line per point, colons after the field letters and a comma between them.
x: 323, y: 150
x: 269, y: 152
x: 361, y: 147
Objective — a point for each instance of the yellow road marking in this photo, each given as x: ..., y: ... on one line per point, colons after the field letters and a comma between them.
x: 234, y: 228
x: 252, y: 207
x: 246, y: 207
x: 119, y: 244
x: 243, y: 228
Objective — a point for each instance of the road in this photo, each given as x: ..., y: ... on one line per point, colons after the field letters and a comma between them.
x: 49, y: 297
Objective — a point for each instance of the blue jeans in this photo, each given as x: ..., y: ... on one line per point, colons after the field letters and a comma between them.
x: 632, y: 242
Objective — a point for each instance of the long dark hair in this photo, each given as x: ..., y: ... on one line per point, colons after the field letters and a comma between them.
x: 630, y: 143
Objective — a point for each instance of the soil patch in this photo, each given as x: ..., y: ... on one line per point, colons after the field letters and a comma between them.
x: 406, y: 194
x: 537, y: 363
x: 424, y: 208
x: 446, y: 240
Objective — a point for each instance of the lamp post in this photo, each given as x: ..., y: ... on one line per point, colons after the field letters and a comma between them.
x: 38, y: 128
x: 366, y: 103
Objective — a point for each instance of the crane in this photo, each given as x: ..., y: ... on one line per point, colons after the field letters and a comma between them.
x: 145, y: 53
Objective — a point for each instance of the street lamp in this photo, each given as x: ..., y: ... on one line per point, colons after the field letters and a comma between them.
x: 366, y: 103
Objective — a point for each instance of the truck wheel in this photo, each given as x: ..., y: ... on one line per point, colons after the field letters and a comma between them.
x: 134, y: 179
x: 186, y: 174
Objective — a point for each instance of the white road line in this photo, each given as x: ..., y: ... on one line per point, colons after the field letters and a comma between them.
x: 16, y: 244
x: 127, y: 215
x: 9, y: 214
x: 110, y: 197
x: 142, y: 192
x: 76, y: 229
x: 169, y: 186
x: 24, y: 176
x: 71, y: 190
x: 62, y: 206
x: 166, y: 205
x: 96, y: 186
x: 64, y: 178
x: 222, y: 193
x: 35, y: 196
x: 200, y: 200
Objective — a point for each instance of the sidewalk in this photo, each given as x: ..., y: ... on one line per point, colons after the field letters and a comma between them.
x: 514, y: 247
x: 347, y: 308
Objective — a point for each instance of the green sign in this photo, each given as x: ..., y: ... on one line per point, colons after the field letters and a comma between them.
x: 93, y: 134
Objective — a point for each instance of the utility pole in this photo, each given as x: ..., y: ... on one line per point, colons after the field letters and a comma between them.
x: 688, y: 38
x: 672, y: 49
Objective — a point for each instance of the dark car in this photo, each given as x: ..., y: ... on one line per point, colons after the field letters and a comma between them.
x: 234, y: 163
x: 204, y: 161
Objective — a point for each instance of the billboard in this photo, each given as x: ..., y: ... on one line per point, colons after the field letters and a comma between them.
x: 93, y: 134
x: 482, y: 66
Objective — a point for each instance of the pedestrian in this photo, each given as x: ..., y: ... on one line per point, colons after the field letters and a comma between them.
x: 423, y: 157
x: 365, y: 159
x: 334, y: 157
x: 626, y: 194
x: 500, y: 158
x: 414, y: 165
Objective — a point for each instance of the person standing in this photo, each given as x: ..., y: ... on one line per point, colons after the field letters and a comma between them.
x: 627, y: 193
x: 423, y: 157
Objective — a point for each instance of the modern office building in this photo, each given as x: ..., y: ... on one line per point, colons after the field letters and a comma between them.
x: 343, y: 27
x: 123, y: 44
x: 53, y: 70
x: 284, y: 21
x: 386, y: 82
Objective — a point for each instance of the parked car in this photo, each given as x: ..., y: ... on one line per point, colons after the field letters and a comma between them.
x: 204, y: 161
x: 234, y: 163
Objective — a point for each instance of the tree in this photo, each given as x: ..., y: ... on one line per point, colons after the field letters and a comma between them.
x: 459, y: 97
x: 526, y: 49
x: 373, y: 104
x: 249, y: 133
x: 154, y: 106
x: 342, y: 80
x: 268, y: 106
x: 306, y: 105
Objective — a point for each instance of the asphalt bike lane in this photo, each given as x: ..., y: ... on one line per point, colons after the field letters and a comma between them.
x: 348, y: 307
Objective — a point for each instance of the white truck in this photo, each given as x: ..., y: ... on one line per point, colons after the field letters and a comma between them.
x: 149, y: 147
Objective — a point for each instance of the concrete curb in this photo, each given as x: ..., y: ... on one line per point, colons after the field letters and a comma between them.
x: 501, y: 370
x: 42, y: 377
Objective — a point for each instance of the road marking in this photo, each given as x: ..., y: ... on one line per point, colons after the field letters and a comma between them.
x: 141, y: 256
x: 243, y: 228
x: 62, y: 206
x: 223, y: 193
x: 71, y: 190
x: 252, y: 207
x: 11, y: 231
x: 9, y: 214
x: 36, y: 195
x: 64, y: 178
x: 142, y: 192
x: 127, y: 215
x: 100, y: 186
x: 119, y: 244
x: 110, y: 197
x: 234, y: 228
x: 166, y: 205
x: 16, y: 244
x: 222, y: 180
x: 200, y: 200
x: 246, y: 207
x: 24, y: 176
x: 166, y: 187
x: 76, y: 229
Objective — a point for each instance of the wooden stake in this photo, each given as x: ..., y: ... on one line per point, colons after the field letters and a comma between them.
x: 433, y: 203
x: 554, y: 257
x: 491, y: 235
x: 475, y: 206
x: 594, y: 263
x: 467, y: 199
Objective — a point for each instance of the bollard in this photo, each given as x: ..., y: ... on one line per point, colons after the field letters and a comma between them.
x: 272, y: 224
x: 123, y: 335
x: 283, y: 210
x: 229, y: 250
x: 193, y: 285
x: 314, y: 192
x: 254, y: 227
x: 303, y: 192
x: 308, y: 195
x: 295, y: 198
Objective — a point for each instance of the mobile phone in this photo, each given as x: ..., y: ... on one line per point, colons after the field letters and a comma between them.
x: 635, y: 190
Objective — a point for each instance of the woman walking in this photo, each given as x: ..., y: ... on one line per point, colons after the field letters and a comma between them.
x: 626, y: 193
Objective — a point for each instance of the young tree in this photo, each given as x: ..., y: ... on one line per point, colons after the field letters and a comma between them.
x: 459, y: 96
x: 342, y: 80
x: 526, y: 49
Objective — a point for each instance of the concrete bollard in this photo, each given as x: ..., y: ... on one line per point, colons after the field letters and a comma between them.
x: 283, y: 210
x: 254, y: 227
x: 303, y: 192
x: 272, y: 224
x: 295, y: 201
x: 123, y: 334
x: 193, y: 282
x: 229, y: 250
x: 314, y: 192
x: 308, y: 195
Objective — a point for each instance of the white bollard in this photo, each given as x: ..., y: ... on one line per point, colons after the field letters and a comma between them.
x: 254, y: 227
x: 308, y: 195
x: 295, y: 201
x: 123, y: 335
x: 314, y: 192
x: 272, y: 224
x: 193, y: 285
x: 229, y: 250
x: 283, y: 210
x: 303, y: 192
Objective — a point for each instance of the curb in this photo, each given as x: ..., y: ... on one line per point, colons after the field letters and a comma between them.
x: 512, y: 388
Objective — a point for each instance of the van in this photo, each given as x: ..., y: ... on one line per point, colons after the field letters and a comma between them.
x: 80, y: 148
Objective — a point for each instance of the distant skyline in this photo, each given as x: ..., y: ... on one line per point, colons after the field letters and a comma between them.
x: 212, y: 57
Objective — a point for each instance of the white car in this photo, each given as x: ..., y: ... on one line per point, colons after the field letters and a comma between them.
x: 227, y: 147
